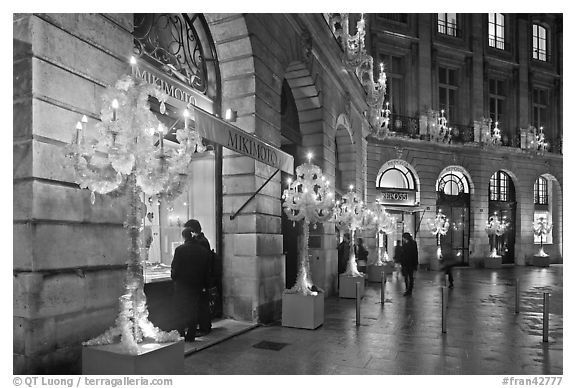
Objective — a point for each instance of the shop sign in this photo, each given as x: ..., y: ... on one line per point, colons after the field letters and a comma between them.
x: 231, y: 137
x: 179, y: 94
x: 398, y: 197
x: 211, y: 127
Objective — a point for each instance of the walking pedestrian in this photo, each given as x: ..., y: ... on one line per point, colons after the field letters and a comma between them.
x: 409, y: 261
x: 446, y: 266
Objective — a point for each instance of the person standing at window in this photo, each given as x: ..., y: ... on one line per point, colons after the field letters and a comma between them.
x: 204, y: 318
x: 343, y: 253
x: 190, y: 272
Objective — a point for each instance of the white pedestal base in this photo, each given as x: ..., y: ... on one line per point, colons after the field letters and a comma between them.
x: 152, y: 359
x: 347, y: 287
x: 302, y: 311
x: 541, y: 261
x: 493, y: 262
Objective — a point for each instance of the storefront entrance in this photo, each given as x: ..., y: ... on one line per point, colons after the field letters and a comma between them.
x: 455, y: 243
x: 502, y: 204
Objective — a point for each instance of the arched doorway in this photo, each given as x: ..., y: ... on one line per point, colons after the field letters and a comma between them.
x: 291, y: 143
x: 398, y: 184
x: 178, y: 49
x: 453, y: 200
x: 345, y: 161
x: 502, y: 204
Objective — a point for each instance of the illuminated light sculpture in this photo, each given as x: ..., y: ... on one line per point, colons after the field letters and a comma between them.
x: 124, y: 154
x: 383, y: 222
x: 541, y: 144
x: 496, y: 135
x: 308, y: 199
x: 541, y: 228
x: 439, y: 227
x: 495, y: 227
x: 355, y: 58
x: 349, y: 216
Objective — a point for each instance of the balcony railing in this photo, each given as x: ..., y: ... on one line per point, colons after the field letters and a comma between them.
x: 401, y: 126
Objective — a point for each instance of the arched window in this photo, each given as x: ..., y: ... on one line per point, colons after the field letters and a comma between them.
x: 501, y: 187
x: 181, y: 45
x: 398, y: 177
x: 453, y: 183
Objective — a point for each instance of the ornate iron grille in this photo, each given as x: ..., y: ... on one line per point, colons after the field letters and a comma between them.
x: 173, y: 45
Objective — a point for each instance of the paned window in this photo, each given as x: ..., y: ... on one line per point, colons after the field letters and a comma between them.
x: 496, y: 30
x: 539, y: 107
x: 398, y: 177
x: 394, y: 68
x: 539, y: 42
x: 541, y: 191
x: 447, y: 24
x: 447, y: 91
x: 395, y: 17
x: 454, y: 183
x: 497, y: 99
x: 500, y: 187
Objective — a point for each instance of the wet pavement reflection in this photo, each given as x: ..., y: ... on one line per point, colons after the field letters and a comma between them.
x: 403, y: 336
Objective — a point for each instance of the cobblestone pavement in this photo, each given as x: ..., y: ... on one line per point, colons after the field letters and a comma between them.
x: 484, y: 336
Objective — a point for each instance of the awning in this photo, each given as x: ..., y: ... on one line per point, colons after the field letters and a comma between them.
x: 211, y: 127
x: 221, y: 132
x: 405, y: 209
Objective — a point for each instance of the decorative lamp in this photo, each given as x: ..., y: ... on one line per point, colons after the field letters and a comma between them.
x: 541, y: 228
x: 349, y: 215
x: 439, y: 227
x: 124, y: 153
x: 384, y: 223
x: 495, y: 227
x: 309, y: 199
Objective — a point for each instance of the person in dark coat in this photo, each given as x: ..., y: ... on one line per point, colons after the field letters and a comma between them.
x: 190, y: 272
x: 343, y: 253
x: 446, y: 265
x: 204, y: 319
x: 360, y: 250
x: 409, y: 261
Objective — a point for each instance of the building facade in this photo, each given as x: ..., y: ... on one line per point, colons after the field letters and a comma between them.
x: 285, y: 79
x: 496, y: 79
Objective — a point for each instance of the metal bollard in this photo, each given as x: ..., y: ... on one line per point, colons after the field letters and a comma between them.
x: 545, y: 317
x: 444, y: 295
x: 382, y: 287
x: 357, y: 303
x: 517, y: 296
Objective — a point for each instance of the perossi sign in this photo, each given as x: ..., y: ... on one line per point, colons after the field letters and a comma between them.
x: 397, y: 197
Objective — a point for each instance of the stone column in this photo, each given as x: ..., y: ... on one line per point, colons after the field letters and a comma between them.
x: 524, y: 87
x: 425, y: 69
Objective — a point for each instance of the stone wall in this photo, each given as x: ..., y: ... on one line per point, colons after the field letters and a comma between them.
x: 68, y: 254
